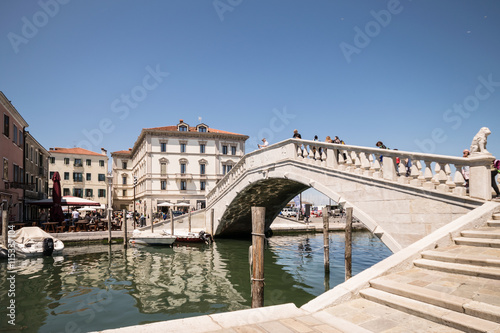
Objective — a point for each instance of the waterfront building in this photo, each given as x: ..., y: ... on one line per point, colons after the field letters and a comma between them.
x: 83, y: 172
x: 36, y: 172
x: 176, y: 164
x: 11, y: 153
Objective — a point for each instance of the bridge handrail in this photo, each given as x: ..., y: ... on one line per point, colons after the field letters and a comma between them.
x: 428, y: 171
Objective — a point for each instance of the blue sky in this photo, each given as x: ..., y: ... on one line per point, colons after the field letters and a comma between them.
x: 418, y: 75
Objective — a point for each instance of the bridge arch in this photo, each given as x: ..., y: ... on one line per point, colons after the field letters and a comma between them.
x: 398, y: 209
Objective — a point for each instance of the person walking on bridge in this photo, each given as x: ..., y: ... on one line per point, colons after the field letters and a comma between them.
x: 494, y: 172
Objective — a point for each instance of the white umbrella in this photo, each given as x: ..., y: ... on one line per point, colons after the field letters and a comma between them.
x: 86, y: 209
x: 66, y: 201
x: 165, y: 204
x: 183, y: 204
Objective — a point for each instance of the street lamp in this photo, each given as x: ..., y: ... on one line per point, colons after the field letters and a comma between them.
x: 110, y: 204
x: 133, y: 208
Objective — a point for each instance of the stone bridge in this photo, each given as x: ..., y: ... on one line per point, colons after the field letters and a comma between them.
x: 399, y: 208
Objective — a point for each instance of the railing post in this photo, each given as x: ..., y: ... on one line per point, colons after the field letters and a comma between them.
x: 258, y: 223
x: 480, y: 177
x: 389, y: 168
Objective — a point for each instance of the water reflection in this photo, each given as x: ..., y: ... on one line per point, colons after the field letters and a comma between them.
x: 98, y: 287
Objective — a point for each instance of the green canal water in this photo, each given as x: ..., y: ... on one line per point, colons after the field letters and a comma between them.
x: 96, y: 287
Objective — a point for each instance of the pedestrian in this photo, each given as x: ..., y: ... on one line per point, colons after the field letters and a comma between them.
x: 465, y: 169
x: 494, y: 172
x: 264, y: 144
x: 381, y: 146
x: 43, y: 217
x: 143, y: 221
x: 296, y: 134
x: 75, y: 215
x: 328, y: 139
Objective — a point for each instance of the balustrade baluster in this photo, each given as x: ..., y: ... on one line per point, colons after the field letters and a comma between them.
x: 377, y: 170
x: 449, y: 180
x: 365, y: 164
x: 440, y: 177
x: 428, y: 184
x: 342, y: 160
x: 459, y: 180
x: 416, y: 174
x: 299, y: 151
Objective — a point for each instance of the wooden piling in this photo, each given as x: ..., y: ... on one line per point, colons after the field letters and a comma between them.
x: 171, y: 222
x: 258, y: 223
x: 110, y: 213
x: 348, y: 243
x: 212, y: 215
x: 189, y: 221
x: 326, y: 243
x: 125, y: 222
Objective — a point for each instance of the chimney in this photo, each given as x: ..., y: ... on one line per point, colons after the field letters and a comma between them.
x: 104, y: 151
x: 181, y: 120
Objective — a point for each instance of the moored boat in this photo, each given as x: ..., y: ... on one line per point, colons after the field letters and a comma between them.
x: 193, y: 237
x: 33, y: 241
x: 151, y: 238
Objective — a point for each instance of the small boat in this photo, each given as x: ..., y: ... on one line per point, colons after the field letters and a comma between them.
x: 151, y: 238
x: 192, y: 237
x: 33, y: 241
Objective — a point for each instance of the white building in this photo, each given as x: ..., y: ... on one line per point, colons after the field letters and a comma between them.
x: 83, y: 172
x: 175, y: 164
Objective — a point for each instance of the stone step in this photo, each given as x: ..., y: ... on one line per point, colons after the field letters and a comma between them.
x: 496, y: 216
x: 487, y: 242
x: 460, y: 258
x: 472, y: 270
x: 494, y: 224
x: 444, y: 300
x: 430, y: 312
x: 489, y: 233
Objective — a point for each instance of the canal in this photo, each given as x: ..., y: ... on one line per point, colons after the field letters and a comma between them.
x: 96, y: 287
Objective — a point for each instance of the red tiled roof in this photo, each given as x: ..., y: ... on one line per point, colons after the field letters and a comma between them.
x: 191, y: 129
x: 121, y: 152
x: 77, y: 150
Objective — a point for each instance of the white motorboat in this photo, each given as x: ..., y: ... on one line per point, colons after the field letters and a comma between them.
x: 152, y: 238
x: 193, y: 237
x: 33, y: 241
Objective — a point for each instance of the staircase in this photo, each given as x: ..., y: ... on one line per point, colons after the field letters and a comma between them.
x: 451, y: 289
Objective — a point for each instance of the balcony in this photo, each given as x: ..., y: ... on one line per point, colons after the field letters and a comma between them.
x: 184, y: 176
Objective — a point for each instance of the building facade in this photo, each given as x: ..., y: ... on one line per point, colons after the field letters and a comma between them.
x: 83, y: 172
x: 12, y: 158
x: 36, y: 172
x: 173, y: 164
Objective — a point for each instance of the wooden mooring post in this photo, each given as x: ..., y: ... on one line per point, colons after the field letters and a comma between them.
x: 212, y: 215
x: 152, y: 219
x: 110, y: 213
x: 189, y: 221
x: 348, y: 243
x: 171, y: 222
x: 125, y: 222
x: 326, y: 243
x: 258, y: 237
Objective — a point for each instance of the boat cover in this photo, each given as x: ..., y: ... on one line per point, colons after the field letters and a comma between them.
x: 25, y: 234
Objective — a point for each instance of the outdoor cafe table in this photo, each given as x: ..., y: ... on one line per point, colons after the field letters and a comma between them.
x: 82, y: 225
x: 50, y: 226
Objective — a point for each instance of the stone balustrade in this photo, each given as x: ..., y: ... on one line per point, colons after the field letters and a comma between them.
x: 426, y: 171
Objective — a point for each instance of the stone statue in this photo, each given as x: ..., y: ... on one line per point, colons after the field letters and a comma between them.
x: 478, y: 145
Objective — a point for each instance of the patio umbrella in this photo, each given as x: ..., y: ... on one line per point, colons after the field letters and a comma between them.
x: 65, y: 201
x: 56, y: 213
x: 165, y: 204
x: 183, y: 204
